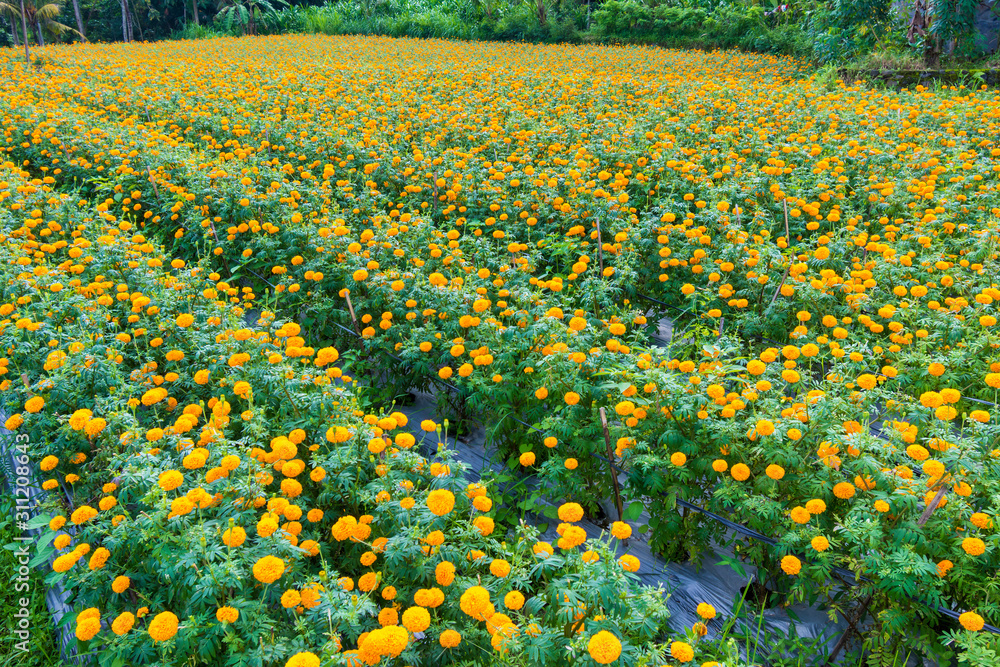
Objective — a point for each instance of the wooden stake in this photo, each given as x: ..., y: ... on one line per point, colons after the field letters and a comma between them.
x: 933, y: 505
x: 611, y: 463
x: 350, y: 307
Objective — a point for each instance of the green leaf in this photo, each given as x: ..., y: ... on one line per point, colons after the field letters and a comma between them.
x: 633, y: 511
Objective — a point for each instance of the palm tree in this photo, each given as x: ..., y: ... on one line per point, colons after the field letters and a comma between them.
x: 246, y: 13
x: 40, y: 18
x: 12, y: 13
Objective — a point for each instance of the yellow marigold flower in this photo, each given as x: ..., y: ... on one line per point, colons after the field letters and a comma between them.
x: 227, y: 614
x: 629, y: 563
x: 499, y: 568
x: 303, y: 659
x: 416, y: 619
x: 706, y: 611
x: 87, y: 628
x: 123, y: 623
x: 83, y: 514
x: 444, y: 573
x: 678, y: 459
x: 740, y: 472
x: 290, y: 598
x: 527, y: 459
x: 791, y: 565
x: 820, y: 543
x: 121, y: 584
x: 775, y: 472
x: 844, y: 490
x: 170, y: 480
x: 974, y: 546
x: 48, y: 463
x: 475, y: 602
x: 604, y: 648
x: 764, y: 427
x: 816, y: 506
x: 621, y: 530
x: 571, y: 512
x: 971, y: 621
x: 800, y: 515
x: 440, y: 502
x: 571, y: 398
x: 931, y: 399
x: 14, y: 422
x: 867, y: 381
x: 184, y: 320
x: 681, y: 652
x: 513, y: 600
x: 234, y: 537
x: 34, y: 404
x: 450, y: 639
x: 163, y: 626
x: 268, y: 569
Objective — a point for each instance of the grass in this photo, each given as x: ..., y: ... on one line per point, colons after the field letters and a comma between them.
x: 42, y: 645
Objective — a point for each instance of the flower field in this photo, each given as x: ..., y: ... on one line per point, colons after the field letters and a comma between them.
x: 227, y: 261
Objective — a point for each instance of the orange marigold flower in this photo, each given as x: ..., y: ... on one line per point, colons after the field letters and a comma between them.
x: 604, y: 648
x: 440, y: 501
x: 791, y: 565
x: 163, y: 626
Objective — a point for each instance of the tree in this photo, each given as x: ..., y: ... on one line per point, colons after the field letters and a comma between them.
x: 79, y: 19
x: 246, y: 13
x: 40, y: 18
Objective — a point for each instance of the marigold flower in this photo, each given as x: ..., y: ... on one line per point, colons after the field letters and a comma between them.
x: 123, y: 623
x: 629, y: 563
x: 621, y: 530
x: 844, y: 490
x: 450, y: 639
x: 440, y: 502
x: 604, y: 648
x: 227, y: 614
x: 475, y: 602
x: 268, y: 569
x: 416, y: 619
x: 499, y: 568
x: 514, y: 600
x: 971, y: 621
x: 571, y: 512
x: 974, y: 546
x: 303, y: 659
x: 706, y: 611
x: 791, y: 565
x: 740, y: 472
x: 163, y: 626
x: 87, y: 628
x: 83, y: 514
x: 444, y: 573
x: 681, y: 652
